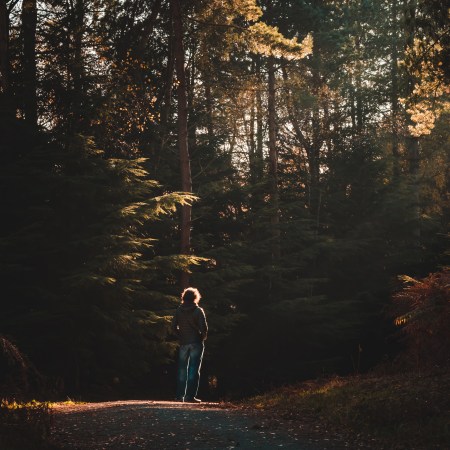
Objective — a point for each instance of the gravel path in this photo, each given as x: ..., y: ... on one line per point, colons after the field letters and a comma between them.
x: 159, y: 425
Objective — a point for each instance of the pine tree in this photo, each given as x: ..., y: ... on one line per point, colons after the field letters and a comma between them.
x: 77, y: 264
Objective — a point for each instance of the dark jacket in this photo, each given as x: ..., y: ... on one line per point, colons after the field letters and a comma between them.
x: 189, y: 324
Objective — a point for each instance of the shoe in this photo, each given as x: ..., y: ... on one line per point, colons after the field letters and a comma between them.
x: 179, y: 399
x: 192, y: 400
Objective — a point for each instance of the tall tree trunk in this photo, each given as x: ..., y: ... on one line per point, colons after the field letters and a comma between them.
x: 252, y: 142
x: 359, y: 104
x: 259, y: 155
x: 29, y: 21
x: 352, y: 104
x: 313, y: 152
x: 191, y: 74
x: 209, y: 110
x: 166, y: 104
x: 5, y: 93
x: 273, y: 162
x: 77, y: 67
x: 413, y: 149
x: 356, y: 78
x: 186, y: 180
x: 253, y: 158
x: 412, y: 142
x: 358, y: 82
x: 256, y: 138
x: 394, y: 91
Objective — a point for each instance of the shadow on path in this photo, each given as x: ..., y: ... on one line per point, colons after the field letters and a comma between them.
x: 169, y: 425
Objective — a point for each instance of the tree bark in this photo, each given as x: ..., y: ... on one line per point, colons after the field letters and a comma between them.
x: 394, y: 92
x: 252, y: 136
x: 317, y: 141
x: 252, y: 143
x: 77, y: 66
x: 191, y: 74
x: 413, y: 149
x: 256, y: 159
x: 357, y: 104
x: 29, y: 22
x: 166, y: 103
x: 5, y: 98
x: 412, y: 142
x: 259, y: 155
x: 273, y: 162
x: 209, y: 110
x: 185, y: 166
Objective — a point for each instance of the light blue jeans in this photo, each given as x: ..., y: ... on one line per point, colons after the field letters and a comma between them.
x: 189, y: 363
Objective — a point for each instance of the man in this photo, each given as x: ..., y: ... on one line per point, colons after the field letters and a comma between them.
x: 189, y: 324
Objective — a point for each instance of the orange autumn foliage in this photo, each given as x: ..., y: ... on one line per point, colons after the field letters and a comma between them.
x: 422, y: 309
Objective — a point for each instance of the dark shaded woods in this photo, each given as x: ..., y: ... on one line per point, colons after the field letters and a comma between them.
x: 142, y: 141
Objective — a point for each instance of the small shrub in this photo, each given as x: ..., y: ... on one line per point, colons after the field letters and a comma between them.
x: 24, y: 426
x: 422, y: 309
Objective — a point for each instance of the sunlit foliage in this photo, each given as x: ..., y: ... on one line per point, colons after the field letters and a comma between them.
x: 430, y: 95
x: 425, y: 307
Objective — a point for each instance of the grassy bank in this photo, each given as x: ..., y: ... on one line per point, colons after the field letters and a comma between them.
x: 404, y: 411
x: 24, y: 426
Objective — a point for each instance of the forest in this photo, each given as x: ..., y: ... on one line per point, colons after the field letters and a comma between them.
x: 290, y: 159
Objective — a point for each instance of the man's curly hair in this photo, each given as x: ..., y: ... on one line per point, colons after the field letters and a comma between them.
x: 190, y: 295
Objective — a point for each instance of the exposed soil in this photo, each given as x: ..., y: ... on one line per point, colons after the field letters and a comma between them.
x: 170, y: 425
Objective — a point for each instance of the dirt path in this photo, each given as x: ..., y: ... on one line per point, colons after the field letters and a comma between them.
x: 161, y: 425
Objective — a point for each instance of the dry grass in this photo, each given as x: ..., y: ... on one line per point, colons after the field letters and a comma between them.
x: 400, y: 411
x: 24, y: 426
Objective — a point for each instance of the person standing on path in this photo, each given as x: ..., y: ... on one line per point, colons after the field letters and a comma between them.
x: 189, y: 325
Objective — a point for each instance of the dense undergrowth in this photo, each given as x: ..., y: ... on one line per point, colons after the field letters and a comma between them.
x: 25, y: 426
x: 407, y: 411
